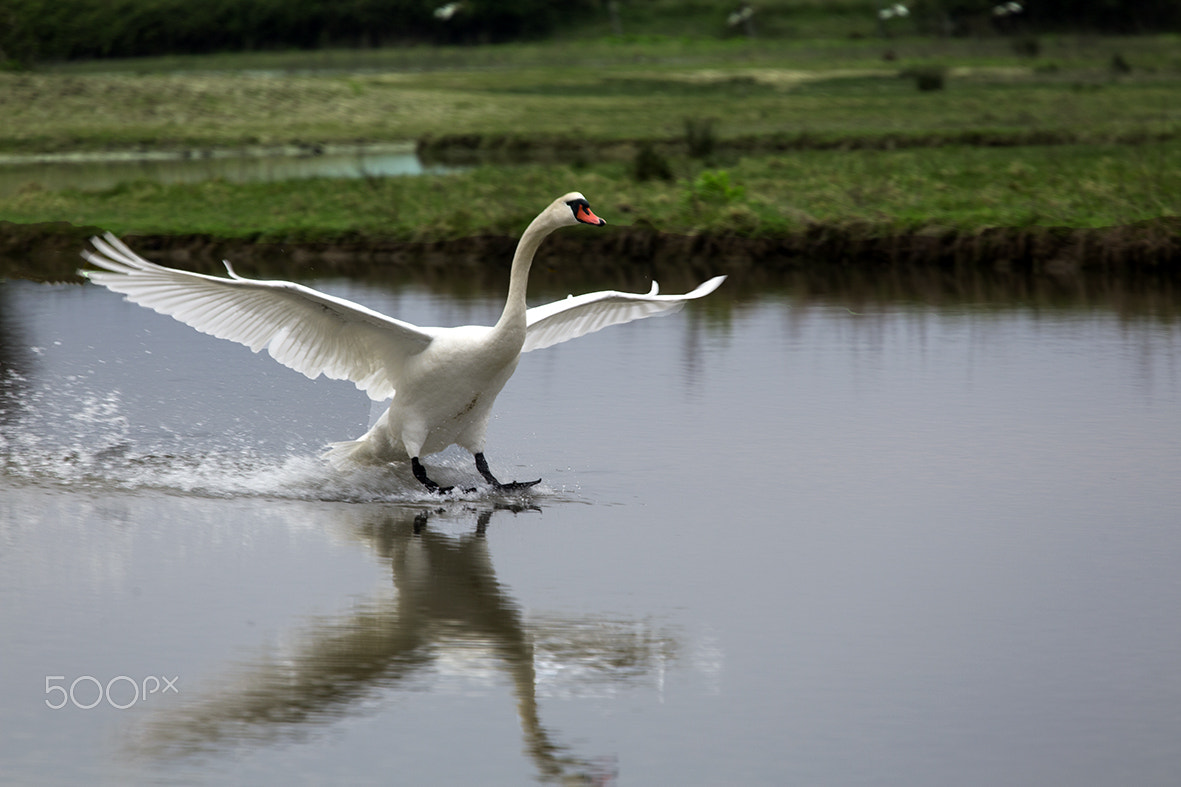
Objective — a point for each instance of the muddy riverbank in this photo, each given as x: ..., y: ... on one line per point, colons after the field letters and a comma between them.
x: 1143, y: 258
x: 476, y: 148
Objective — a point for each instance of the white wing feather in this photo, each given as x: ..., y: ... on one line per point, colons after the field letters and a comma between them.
x: 579, y: 315
x: 306, y: 330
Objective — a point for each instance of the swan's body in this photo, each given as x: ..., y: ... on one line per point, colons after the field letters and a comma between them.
x: 443, y: 380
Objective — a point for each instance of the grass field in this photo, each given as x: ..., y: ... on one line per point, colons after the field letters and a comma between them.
x: 596, y: 90
x: 1115, y: 158
x: 947, y: 187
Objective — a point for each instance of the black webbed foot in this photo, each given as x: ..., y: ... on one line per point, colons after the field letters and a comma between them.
x: 514, y: 486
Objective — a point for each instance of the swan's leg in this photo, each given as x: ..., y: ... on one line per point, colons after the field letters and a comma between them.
x: 482, y: 466
x: 420, y: 474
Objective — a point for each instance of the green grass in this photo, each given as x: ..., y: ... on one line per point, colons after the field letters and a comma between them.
x: 940, y: 188
x: 46, y: 112
x: 596, y: 90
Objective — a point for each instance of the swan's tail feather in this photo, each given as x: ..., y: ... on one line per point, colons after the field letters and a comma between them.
x: 371, y: 448
x: 349, y: 453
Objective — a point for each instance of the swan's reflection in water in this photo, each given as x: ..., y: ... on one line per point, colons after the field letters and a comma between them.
x: 447, y: 601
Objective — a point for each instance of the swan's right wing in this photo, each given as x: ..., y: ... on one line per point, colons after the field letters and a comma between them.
x: 304, y: 329
x: 579, y: 315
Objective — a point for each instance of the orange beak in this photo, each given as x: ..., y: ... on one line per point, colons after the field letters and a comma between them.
x: 586, y: 216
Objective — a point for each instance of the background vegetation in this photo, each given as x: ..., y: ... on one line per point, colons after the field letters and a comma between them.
x: 52, y: 30
x: 37, y: 30
x: 716, y: 134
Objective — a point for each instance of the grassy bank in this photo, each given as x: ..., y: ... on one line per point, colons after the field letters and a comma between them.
x: 956, y: 187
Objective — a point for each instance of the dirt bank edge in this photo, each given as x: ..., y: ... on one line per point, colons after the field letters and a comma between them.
x: 49, y: 252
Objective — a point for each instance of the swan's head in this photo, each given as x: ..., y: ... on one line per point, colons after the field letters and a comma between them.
x: 573, y: 208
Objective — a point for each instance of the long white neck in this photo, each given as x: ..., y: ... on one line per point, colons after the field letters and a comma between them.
x: 513, y: 317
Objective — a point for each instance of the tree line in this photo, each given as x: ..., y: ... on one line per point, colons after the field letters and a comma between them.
x: 1099, y: 16
x: 48, y: 30
x: 35, y: 30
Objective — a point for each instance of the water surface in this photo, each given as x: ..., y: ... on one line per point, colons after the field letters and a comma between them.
x: 779, y: 540
x: 99, y: 171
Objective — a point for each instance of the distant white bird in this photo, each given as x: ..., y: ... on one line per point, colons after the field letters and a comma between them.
x: 443, y: 380
x: 445, y: 12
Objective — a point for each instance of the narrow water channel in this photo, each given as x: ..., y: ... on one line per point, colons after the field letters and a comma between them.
x: 99, y: 171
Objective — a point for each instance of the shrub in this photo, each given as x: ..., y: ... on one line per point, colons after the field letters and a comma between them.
x: 1027, y: 46
x: 926, y: 77
x: 713, y: 187
x: 699, y: 134
x: 650, y: 165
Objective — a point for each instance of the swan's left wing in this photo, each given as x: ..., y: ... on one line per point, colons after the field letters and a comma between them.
x: 309, y: 331
x: 579, y: 315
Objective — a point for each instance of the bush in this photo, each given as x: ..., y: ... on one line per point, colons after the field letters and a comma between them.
x: 713, y: 187
x: 926, y: 77
x: 699, y: 134
x: 650, y: 165
x: 1027, y: 46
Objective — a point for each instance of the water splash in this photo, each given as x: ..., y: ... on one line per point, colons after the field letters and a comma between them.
x: 88, y: 442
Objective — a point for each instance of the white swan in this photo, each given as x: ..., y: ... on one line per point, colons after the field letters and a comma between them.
x: 445, y: 379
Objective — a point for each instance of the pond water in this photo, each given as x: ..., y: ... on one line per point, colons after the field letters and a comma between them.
x: 99, y: 171
x: 779, y: 540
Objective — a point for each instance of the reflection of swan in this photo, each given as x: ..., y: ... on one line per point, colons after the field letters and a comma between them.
x: 446, y: 379
x: 448, y: 602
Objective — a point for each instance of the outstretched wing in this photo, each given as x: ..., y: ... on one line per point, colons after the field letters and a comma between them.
x: 306, y: 330
x: 579, y: 315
